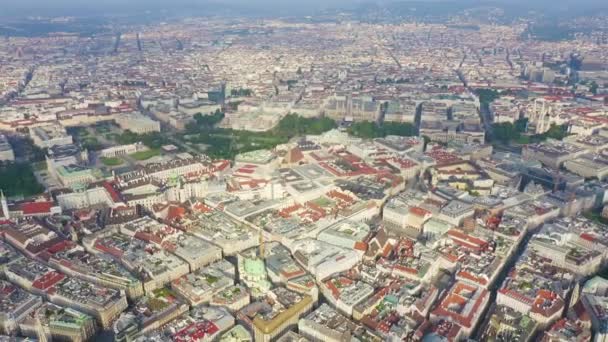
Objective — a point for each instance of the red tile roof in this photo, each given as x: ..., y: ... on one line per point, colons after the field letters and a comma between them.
x: 113, y: 193
x: 48, y: 280
x: 175, y: 212
x: 34, y: 208
x: 419, y: 211
x: 361, y: 246
x: 588, y: 237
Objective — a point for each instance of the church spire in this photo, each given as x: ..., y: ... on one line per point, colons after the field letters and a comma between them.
x: 5, y: 213
x: 261, y: 241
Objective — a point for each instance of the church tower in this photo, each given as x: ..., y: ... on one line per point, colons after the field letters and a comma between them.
x: 5, y: 213
x: 262, y: 250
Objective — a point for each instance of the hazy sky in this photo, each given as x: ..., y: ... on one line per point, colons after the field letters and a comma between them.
x: 58, y: 7
x: 282, y: 3
x: 164, y: 3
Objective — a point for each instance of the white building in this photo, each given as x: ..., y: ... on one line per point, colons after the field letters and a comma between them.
x: 323, y: 259
x: 50, y: 135
x: 345, y: 234
x: 85, y: 198
x: 137, y: 123
x: 121, y: 150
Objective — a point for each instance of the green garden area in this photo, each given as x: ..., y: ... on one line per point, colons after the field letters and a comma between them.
x: 160, y: 299
x: 19, y: 180
x: 152, y: 140
x: 145, y: 155
x: 507, y: 133
x: 86, y: 139
x: 515, y: 133
x: 370, y: 130
x: 596, y: 216
x: 103, y: 128
x: 487, y: 96
x: 111, y: 161
x: 227, y: 143
x: 90, y: 137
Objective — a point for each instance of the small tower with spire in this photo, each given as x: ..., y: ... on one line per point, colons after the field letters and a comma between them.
x: 261, y: 241
x: 5, y: 212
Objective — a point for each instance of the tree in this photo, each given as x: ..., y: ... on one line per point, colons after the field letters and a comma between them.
x: 487, y: 96
x: 226, y: 143
x: 208, y: 121
x: 369, y: 130
x: 91, y: 144
x: 505, y: 131
x: 556, y: 132
x: 364, y: 129
x: 293, y: 125
x: 241, y: 92
x: 19, y: 180
x: 152, y: 140
x: 593, y: 88
x: 127, y: 137
x: 427, y: 141
x: 521, y: 125
x: 396, y: 128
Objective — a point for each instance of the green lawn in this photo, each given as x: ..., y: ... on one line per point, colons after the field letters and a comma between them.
x: 323, y: 202
x: 111, y: 161
x: 163, y: 292
x: 211, y: 279
x: 144, y: 155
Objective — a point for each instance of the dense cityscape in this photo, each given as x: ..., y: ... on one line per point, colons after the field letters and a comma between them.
x: 349, y: 175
